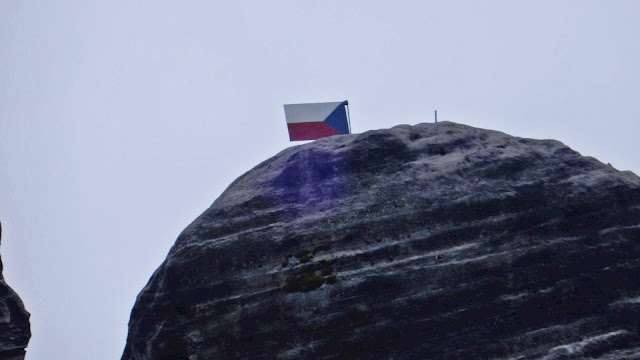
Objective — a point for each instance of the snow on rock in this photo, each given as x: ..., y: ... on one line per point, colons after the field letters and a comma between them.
x: 434, y: 241
x: 14, y: 322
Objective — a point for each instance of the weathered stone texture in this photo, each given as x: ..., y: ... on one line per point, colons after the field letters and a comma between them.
x: 14, y: 322
x: 435, y: 241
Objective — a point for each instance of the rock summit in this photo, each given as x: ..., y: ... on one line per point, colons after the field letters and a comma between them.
x: 434, y: 241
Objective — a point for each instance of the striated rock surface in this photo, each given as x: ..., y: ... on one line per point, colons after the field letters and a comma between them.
x: 435, y: 241
x: 14, y: 322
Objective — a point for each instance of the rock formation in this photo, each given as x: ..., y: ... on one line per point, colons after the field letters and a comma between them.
x: 14, y: 322
x: 435, y: 241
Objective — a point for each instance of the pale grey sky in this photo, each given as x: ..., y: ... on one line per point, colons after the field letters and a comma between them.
x: 121, y: 121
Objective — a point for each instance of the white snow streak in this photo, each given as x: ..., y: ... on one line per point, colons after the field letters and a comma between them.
x: 409, y: 259
x: 618, y: 228
x: 627, y: 301
x: 577, y: 347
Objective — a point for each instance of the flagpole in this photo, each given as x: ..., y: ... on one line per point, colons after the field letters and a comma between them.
x: 346, y: 103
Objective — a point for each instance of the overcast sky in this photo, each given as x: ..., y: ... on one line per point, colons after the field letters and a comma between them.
x: 121, y: 121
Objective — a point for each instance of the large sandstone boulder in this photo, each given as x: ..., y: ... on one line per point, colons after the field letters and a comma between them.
x: 435, y: 241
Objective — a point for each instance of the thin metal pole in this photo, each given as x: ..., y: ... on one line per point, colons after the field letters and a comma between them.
x: 436, y: 114
x: 348, y: 116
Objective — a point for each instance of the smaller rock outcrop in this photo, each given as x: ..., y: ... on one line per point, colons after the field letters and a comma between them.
x: 15, y: 331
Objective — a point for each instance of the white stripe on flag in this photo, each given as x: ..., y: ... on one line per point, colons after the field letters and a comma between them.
x: 297, y: 113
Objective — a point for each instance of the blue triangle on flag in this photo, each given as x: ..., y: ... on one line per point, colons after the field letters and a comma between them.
x: 338, y: 119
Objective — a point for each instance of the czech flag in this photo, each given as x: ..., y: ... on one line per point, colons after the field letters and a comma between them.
x: 315, y: 121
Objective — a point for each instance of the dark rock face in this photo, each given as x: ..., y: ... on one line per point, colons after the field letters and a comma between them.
x: 437, y: 241
x: 14, y: 322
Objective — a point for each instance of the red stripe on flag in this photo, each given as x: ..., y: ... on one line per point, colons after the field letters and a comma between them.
x: 310, y: 131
